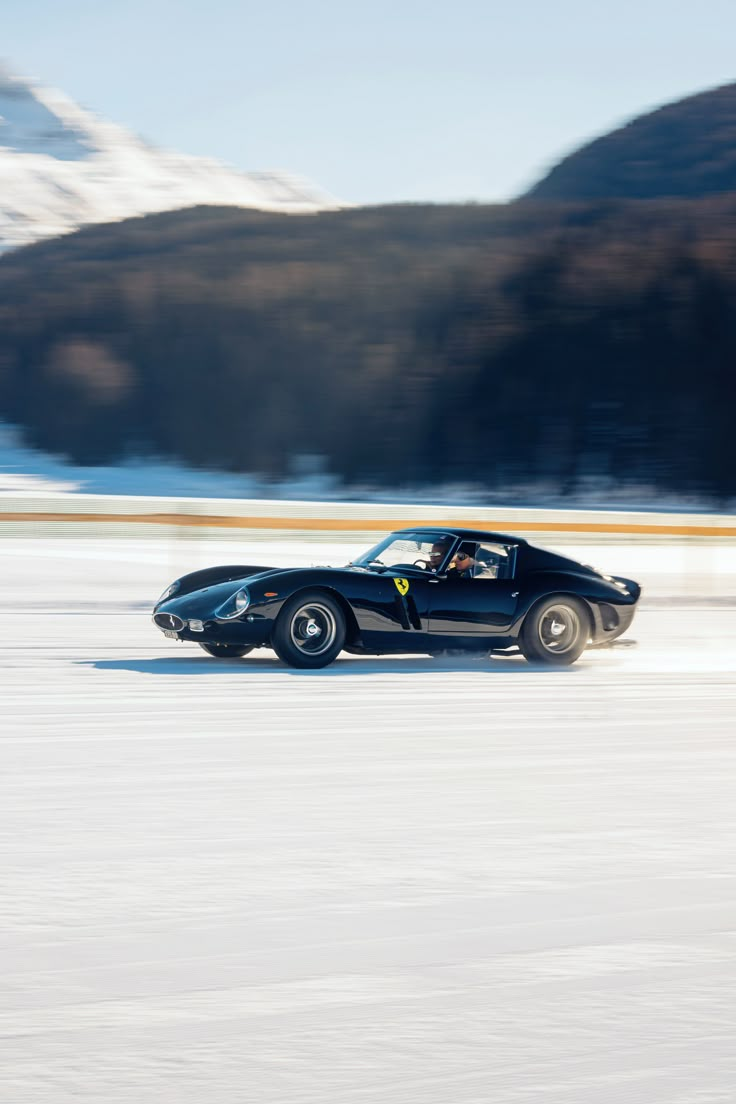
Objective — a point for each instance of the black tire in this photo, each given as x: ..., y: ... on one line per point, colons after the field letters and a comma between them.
x: 555, y: 631
x: 309, y: 631
x: 227, y: 651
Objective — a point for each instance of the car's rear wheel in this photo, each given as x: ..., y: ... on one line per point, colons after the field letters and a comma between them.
x: 227, y: 651
x: 310, y: 630
x: 555, y: 631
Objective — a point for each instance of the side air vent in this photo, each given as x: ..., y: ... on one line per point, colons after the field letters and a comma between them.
x: 609, y: 617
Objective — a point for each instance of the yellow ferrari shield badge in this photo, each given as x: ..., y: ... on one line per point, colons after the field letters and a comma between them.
x: 402, y: 585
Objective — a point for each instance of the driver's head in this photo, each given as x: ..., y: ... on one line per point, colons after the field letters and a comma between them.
x: 438, y: 552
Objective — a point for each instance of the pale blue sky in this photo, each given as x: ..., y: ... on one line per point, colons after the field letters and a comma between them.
x: 376, y: 101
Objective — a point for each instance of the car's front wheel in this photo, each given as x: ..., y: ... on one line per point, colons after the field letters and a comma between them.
x: 310, y: 630
x: 227, y: 651
x: 555, y: 631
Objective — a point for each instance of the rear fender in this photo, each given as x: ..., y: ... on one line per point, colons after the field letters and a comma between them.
x: 587, y: 589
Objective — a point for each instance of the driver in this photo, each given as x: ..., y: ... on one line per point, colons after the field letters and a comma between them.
x: 438, y: 552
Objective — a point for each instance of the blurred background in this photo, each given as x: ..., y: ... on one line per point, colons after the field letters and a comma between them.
x: 550, y: 321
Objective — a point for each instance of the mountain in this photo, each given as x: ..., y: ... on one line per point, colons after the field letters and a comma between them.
x: 61, y: 168
x: 685, y: 150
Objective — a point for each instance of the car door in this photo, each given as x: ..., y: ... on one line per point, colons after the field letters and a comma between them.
x: 469, y: 607
x: 483, y: 605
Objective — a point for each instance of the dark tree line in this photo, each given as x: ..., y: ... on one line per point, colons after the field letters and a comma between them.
x: 683, y: 149
x: 407, y: 344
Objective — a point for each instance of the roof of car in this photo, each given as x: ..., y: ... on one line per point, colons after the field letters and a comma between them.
x: 465, y: 534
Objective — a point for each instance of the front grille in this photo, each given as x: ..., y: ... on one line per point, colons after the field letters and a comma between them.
x: 169, y: 621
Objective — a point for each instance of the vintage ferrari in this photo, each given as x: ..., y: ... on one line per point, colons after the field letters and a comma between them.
x: 424, y: 590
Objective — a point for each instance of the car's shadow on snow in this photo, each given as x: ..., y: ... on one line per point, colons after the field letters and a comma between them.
x: 380, y: 665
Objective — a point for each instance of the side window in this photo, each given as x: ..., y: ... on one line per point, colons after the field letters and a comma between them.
x: 493, y: 561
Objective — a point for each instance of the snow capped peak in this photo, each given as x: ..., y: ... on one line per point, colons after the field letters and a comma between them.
x: 62, y: 167
x: 43, y: 121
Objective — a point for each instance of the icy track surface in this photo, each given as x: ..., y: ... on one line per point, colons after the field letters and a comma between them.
x: 466, y: 882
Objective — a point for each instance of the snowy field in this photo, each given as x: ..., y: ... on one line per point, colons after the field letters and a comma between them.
x: 449, y: 882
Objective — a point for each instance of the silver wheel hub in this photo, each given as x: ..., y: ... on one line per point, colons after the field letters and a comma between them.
x: 313, y: 629
x: 559, y: 629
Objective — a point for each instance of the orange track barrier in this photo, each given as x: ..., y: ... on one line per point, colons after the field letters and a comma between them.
x: 220, y: 521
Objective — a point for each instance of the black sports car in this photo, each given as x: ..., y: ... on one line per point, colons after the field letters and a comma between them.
x: 424, y: 590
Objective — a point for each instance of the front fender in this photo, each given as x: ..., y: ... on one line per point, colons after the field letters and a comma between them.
x: 367, y: 600
x: 210, y: 576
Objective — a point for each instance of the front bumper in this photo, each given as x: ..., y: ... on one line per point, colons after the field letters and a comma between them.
x: 613, y: 618
x: 252, y: 629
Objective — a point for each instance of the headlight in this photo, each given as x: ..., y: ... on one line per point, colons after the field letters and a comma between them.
x: 169, y: 592
x: 242, y: 600
x: 234, y: 606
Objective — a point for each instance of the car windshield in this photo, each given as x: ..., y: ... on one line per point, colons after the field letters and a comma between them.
x: 426, y: 551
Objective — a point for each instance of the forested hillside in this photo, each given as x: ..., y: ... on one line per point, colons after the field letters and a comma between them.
x: 684, y: 149
x: 495, y: 345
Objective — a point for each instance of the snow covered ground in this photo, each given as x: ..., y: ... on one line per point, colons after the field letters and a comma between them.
x: 25, y: 470
x: 394, y: 880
